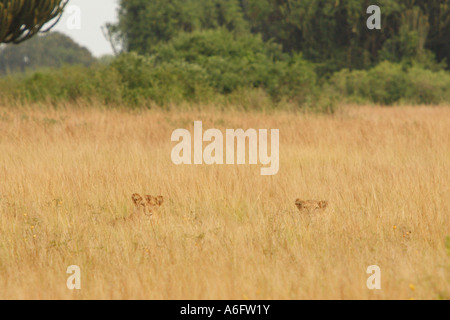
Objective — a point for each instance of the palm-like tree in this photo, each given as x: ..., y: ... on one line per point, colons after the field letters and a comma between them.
x: 22, y: 19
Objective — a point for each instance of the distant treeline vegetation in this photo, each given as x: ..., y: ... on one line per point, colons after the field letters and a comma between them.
x: 251, y: 53
x: 51, y: 50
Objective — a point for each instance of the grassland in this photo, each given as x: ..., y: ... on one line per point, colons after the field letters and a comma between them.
x: 224, y: 232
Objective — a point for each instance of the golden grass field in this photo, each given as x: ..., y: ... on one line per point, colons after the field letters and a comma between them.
x: 224, y: 232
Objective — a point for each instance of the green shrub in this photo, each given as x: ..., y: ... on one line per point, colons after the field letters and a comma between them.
x: 216, y: 66
x: 233, y: 62
x: 390, y: 83
x: 427, y: 87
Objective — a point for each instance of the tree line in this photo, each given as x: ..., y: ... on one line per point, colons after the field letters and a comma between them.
x: 332, y: 33
x: 258, y: 54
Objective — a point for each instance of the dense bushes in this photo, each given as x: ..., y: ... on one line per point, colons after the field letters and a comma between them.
x: 390, y: 83
x: 226, y: 63
x: 199, y: 66
x: 217, y: 66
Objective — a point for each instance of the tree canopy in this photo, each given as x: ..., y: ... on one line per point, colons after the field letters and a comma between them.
x: 331, y: 33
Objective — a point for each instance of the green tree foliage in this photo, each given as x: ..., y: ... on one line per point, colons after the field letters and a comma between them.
x: 438, y: 39
x: 50, y: 50
x: 144, y: 24
x: 390, y: 83
x: 332, y: 33
x: 195, y: 64
x: 21, y: 19
x: 220, y: 64
x: 257, y: 54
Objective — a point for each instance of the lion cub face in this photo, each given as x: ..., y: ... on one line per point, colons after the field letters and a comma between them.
x: 147, y: 205
x: 310, y: 205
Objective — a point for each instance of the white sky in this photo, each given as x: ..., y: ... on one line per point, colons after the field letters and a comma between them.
x: 91, y: 15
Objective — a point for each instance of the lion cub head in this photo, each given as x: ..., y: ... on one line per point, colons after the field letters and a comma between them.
x: 147, y: 205
x: 310, y: 205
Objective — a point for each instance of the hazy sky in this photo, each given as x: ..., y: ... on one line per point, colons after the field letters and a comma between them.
x: 82, y: 21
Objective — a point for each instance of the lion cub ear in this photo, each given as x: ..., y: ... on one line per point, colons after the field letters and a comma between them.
x: 137, y: 199
x: 299, y: 203
x: 160, y: 200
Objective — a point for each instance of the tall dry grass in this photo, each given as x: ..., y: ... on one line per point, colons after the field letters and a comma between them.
x: 224, y: 232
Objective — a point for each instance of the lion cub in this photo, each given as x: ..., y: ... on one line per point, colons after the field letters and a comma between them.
x: 147, y: 206
x: 310, y: 205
